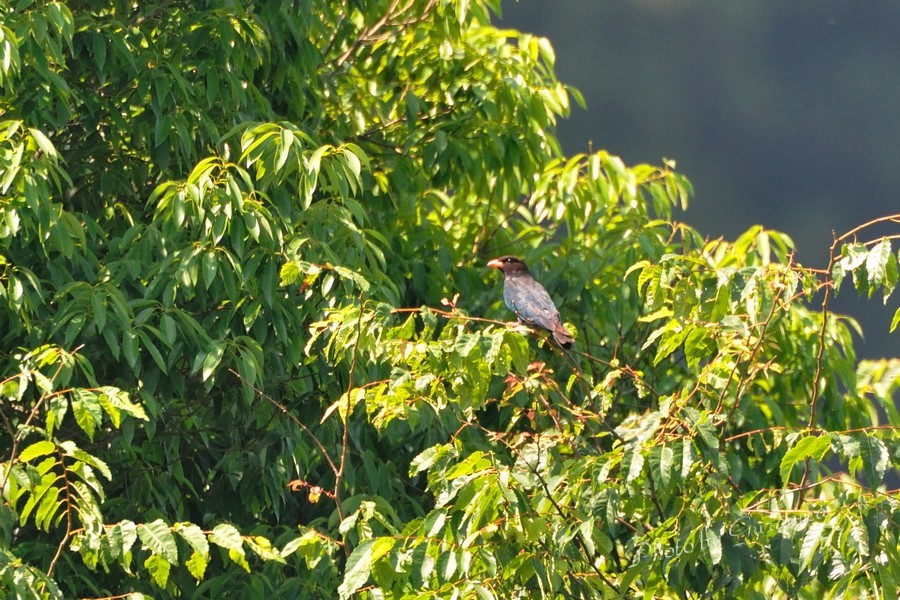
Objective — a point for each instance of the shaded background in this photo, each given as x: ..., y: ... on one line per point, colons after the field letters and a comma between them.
x: 783, y: 114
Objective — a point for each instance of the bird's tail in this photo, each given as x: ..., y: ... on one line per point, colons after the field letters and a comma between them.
x: 563, y: 337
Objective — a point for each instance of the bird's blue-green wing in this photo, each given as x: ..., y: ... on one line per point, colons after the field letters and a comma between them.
x: 531, y: 302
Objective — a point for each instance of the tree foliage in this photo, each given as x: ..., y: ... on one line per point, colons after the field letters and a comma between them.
x: 250, y: 347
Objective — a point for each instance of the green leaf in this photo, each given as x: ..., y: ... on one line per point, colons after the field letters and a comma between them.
x: 353, y: 276
x: 877, y: 267
x: 98, y: 303
x: 662, y: 459
x: 210, y: 268
x: 426, y: 459
x: 713, y: 536
x: 196, y: 565
x: 447, y: 563
x: 168, y: 329
x: 707, y: 434
x: 237, y: 556
x: 157, y: 537
x: 98, y: 51
x: 194, y: 536
x: 155, y: 354
x: 70, y: 449
x: 289, y: 273
x: 212, y: 360
x: 262, y: 547
x: 43, y: 142
x: 120, y: 538
x: 130, y: 347
x: 810, y: 446
x: 434, y: 523
x: 38, y: 491
x: 671, y: 341
x: 635, y: 462
x: 36, y: 450
x: 49, y: 507
x: 853, y: 256
x: 226, y: 536
x: 311, y: 545
x: 687, y: 459
x: 360, y: 562
x: 87, y: 410
x: 57, y: 406
x: 811, y: 541
x: 114, y: 399
x: 285, y: 143
x: 159, y: 568
x: 876, y: 459
x: 129, y: 534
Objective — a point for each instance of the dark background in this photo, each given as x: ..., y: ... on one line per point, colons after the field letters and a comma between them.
x: 785, y: 114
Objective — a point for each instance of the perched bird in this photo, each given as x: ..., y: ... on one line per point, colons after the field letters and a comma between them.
x: 529, y: 300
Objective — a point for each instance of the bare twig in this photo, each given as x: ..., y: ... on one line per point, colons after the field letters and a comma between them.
x: 888, y: 219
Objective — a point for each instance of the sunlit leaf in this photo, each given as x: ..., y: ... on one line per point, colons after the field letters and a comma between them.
x: 157, y: 537
x: 360, y: 562
x: 159, y: 569
x: 36, y: 450
x: 226, y: 536
x: 810, y: 446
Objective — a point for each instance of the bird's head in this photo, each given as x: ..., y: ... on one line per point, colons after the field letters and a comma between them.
x: 510, y: 265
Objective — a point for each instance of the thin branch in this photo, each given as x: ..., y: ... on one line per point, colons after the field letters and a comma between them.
x: 820, y: 365
x: 582, y: 545
x: 291, y: 416
x: 557, y: 508
x: 894, y: 236
x: 753, y: 353
x: 783, y: 428
x: 755, y: 432
x: 368, y: 32
x: 484, y: 235
x: 32, y: 414
x: 345, y: 439
x: 69, y: 509
x: 888, y: 219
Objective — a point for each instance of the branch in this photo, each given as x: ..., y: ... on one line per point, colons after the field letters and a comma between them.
x: 814, y: 396
x: 69, y: 509
x: 371, y: 31
x: 888, y: 219
x: 290, y: 415
x: 345, y: 440
x: 579, y: 538
x: 779, y: 289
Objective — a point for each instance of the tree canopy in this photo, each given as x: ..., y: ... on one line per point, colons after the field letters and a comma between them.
x: 250, y: 348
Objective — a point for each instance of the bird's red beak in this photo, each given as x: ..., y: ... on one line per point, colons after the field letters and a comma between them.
x: 495, y: 263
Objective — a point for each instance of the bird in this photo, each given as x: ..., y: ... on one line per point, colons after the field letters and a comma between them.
x: 529, y: 300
